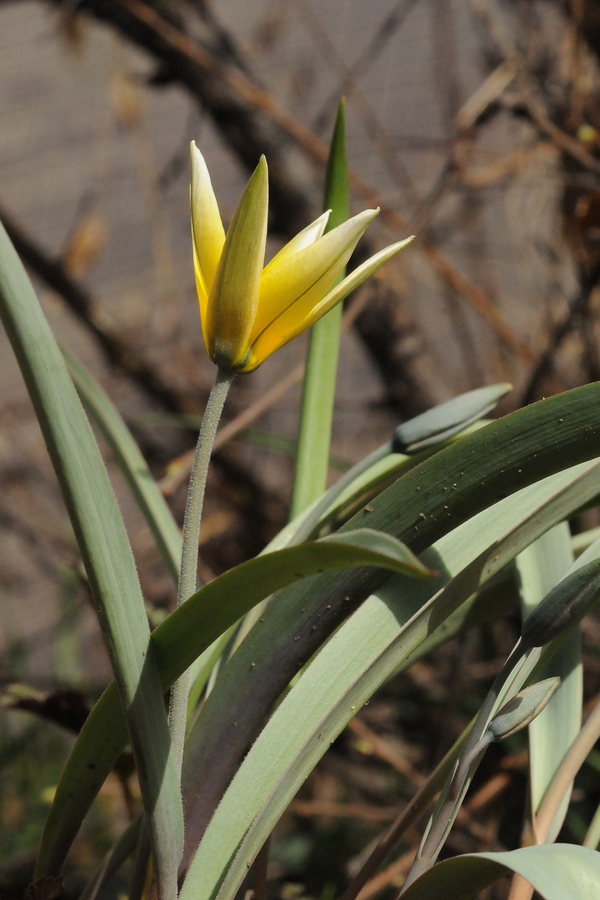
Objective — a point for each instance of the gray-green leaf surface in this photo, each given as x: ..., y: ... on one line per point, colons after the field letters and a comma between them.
x: 105, y: 550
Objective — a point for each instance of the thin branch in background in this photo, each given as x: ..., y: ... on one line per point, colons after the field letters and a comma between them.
x: 385, y: 32
x: 207, y: 78
x: 428, y: 206
x: 577, y: 98
x: 545, y: 363
x: 247, y: 495
x: 393, y: 875
x: 89, y: 312
x: 349, y: 86
x: 258, y: 872
x: 569, y: 145
x: 381, y: 749
x: 528, y: 96
x: 329, y: 809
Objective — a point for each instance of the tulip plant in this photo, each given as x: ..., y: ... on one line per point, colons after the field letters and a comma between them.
x: 231, y: 702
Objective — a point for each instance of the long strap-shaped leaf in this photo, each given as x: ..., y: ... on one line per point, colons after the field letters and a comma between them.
x: 382, y: 635
x: 179, y: 640
x: 104, y: 547
x: 425, y: 504
x: 318, y: 390
x: 540, y: 568
x: 557, y: 872
x: 132, y: 464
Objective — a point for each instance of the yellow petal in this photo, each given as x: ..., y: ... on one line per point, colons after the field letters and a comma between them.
x: 288, y: 327
x: 234, y: 295
x: 300, y: 281
x: 303, y: 239
x: 208, y: 235
x: 354, y: 280
x: 201, y: 292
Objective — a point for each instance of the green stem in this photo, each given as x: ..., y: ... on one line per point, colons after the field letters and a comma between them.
x: 191, y: 538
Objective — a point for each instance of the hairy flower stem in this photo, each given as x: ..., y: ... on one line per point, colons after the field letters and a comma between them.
x: 191, y: 536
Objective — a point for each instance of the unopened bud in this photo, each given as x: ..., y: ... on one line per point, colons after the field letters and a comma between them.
x: 447, y: 419
x: 522, y: 709
x: 566, y: 604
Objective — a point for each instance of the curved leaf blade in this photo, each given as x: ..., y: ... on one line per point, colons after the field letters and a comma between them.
x: 540, y: 567
x: 380, y: 638
x: 132, y: 464
x: 556, y: 871
x: 183, y: 636
x: 428, y: 502
x: 104, y: 548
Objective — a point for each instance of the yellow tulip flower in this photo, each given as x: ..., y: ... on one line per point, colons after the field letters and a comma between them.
x: 247, y: 311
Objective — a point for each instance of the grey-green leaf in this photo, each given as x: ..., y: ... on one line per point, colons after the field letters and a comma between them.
x: 540, y: 568
x: 132, y: 464
x: 105, y: 550
x: 443, y: 421
x: 556, y: 871
x: 182, y: 637
x: 381, y: 637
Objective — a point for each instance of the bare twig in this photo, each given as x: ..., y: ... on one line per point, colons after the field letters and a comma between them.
x: 89, y: 312
x: 544, y: 363
x: 396, y: 871
x: 329, y: 809
x: 382, y: 750
x: 186, y: 61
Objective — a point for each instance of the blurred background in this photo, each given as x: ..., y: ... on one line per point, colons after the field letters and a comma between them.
x: 474, y: 124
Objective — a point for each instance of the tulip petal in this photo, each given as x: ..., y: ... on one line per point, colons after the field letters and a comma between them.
x: 234, y: 296
x: 303, y: 239
x: 354, y: 280
x: 299, y: 282
x: 289, y: 325
x: 208, y: 234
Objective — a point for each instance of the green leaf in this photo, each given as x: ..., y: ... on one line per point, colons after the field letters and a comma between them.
x: 132, y: 464
x: 104, y: 547
x: 427, y: 503
x: 540, y: 567
x: 183, y: 636
x: 363, y: 481
x: 360, y: 485
x: 380, y: 638
x: 444, y: 421
x: 318, y: 393
x: 556, y: 871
